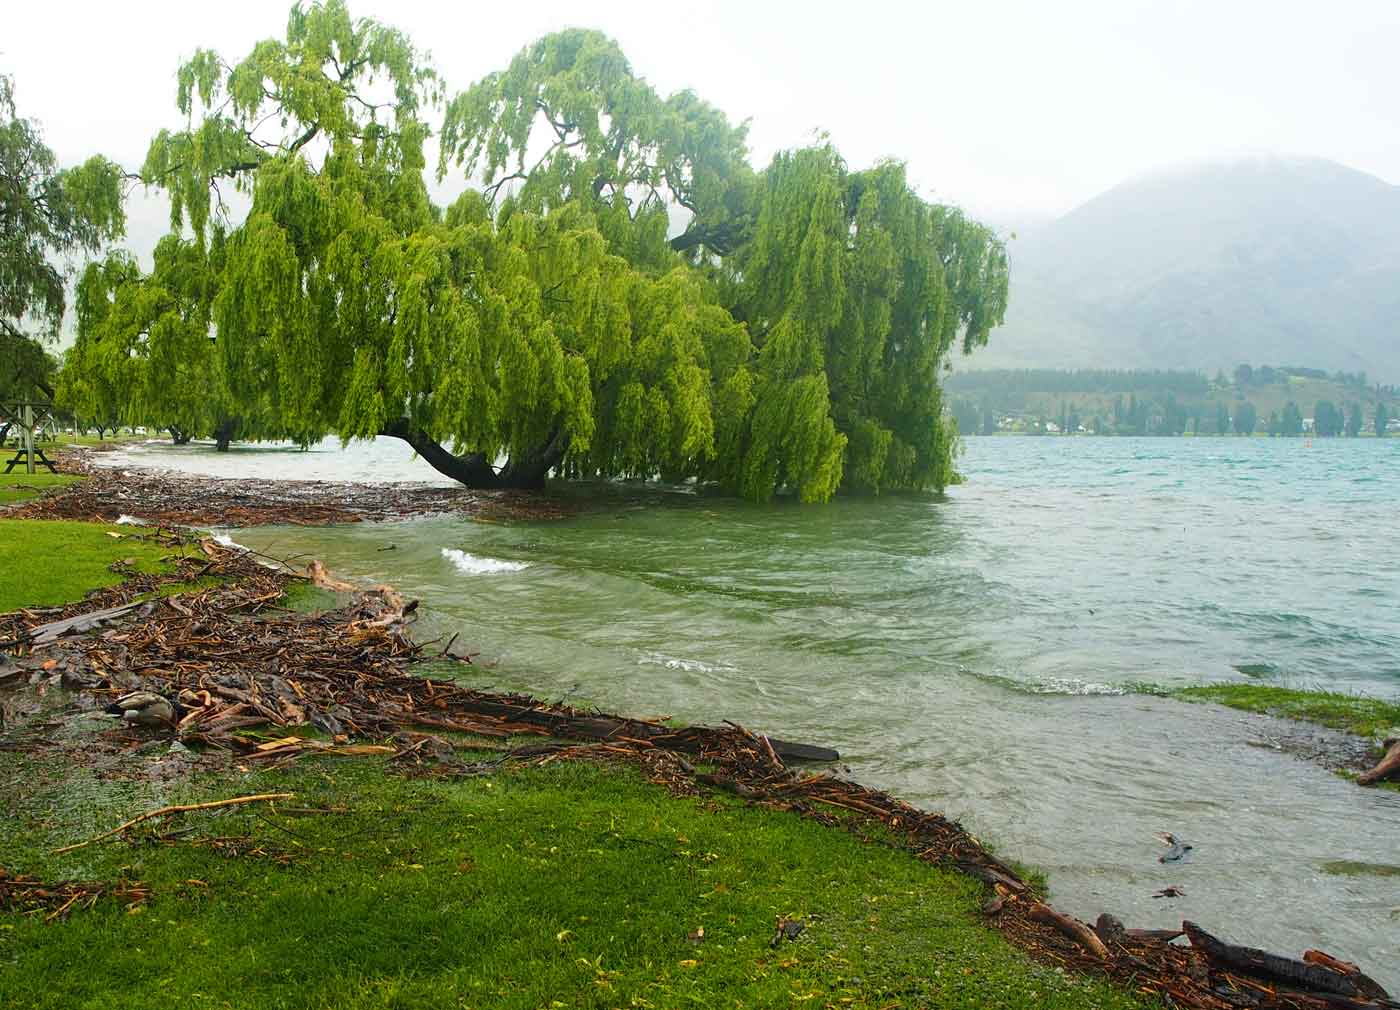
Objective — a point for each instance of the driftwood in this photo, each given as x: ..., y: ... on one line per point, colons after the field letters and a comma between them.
x: 318, y: 575
x: 605, y: 727
x: 1389, y: 766
x: 188, y: 500
x: 1368, y: 986
x: 46, y: 633
x: 1262, y: 964
x: 1071, y: 927
x: 177, y: 809
x: 30, y: 895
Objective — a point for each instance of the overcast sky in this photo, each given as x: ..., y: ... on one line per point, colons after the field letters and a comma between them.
x: 1013, y: 110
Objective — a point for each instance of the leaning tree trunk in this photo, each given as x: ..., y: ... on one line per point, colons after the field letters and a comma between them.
x: 474, y: 470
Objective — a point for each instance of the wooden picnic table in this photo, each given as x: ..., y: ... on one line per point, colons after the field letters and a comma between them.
x: 21, y: 458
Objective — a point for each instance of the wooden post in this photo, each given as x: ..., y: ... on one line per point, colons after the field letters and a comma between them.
x: 27, y: 422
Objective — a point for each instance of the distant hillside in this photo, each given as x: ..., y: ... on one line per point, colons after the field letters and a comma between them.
x: 1279, y: 259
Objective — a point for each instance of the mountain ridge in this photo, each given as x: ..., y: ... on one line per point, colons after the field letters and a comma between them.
x: 1205, y: 266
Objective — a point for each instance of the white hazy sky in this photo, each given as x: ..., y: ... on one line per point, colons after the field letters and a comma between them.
x: 1015, y: 110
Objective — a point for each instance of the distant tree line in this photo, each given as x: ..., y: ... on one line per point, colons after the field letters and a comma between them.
x: 1164, y: 403
x: 1087, y: 380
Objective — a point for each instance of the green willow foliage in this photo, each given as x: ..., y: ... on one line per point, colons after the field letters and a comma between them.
x: 791, y: 335
x: 46, y: 214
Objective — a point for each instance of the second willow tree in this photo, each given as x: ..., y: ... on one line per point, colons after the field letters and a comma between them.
x: 623, y: 296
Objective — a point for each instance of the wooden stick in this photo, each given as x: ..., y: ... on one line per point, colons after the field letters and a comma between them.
x: 180, y: 809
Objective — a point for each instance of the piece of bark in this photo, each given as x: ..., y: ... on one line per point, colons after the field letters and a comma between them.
x: 1369, y: 987
x: 1389, y: 767
x: 1070, y: 927
x: 46, y: 633
x: 1110, y: 929
x: 1161, y: 935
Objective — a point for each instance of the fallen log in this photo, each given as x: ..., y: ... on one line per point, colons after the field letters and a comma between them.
x: 1260, y: 963
x: 1389, y: 766
x: 1071, y: 927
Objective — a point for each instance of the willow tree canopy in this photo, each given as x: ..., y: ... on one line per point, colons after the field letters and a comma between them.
x: 47, y: 214
x: 622, y: 296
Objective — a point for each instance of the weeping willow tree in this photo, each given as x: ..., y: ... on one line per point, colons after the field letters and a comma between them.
x: 144, y: 350
x: 623, y: 295
x: 852, y: 290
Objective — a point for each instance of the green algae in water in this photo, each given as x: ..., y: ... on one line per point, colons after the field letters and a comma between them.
x: 1355, y: 868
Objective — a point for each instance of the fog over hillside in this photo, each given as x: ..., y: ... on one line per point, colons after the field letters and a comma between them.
x: 1281, y: 259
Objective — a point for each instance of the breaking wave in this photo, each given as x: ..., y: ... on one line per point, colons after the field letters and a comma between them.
x: 470, y: 564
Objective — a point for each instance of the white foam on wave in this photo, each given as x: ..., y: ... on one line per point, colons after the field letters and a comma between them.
x: 470, y: 564
x: 687, y: 665
x: 126, y: 520
x: 228, y: 541
x: 1073, y: 685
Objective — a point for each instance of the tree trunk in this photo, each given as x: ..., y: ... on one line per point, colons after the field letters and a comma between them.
x: 474, y: 470
x: 530, y: 471
x: 223, y: 435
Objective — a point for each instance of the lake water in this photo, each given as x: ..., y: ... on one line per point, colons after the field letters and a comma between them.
x: 971, y: 654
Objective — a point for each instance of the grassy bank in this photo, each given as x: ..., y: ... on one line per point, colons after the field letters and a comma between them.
x: 51, y: 563
x: 567, y: 885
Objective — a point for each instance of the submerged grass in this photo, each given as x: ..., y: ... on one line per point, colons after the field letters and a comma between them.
x: 1368, y: 717
x: 570, y: 885
x: 46, y: 563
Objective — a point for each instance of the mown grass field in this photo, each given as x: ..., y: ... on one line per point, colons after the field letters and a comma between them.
x: 17, y: 486
x: 45, y: 564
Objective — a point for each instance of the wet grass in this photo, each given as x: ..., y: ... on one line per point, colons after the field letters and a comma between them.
x: 47, y: 563
x: 564, y: 886
x: 1354, y: 868
x: 1368, y: 717
x: 17, y: 486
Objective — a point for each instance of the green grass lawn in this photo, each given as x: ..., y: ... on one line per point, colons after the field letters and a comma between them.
x: 44, y: 564
x: 565, y: 886
x: 20, y: 486
x: 1370, y: 717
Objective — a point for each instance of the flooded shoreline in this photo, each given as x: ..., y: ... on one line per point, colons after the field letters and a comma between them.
x: 894, y: 631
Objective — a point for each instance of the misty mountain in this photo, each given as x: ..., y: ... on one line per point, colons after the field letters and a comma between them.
x: 1272, y: 259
